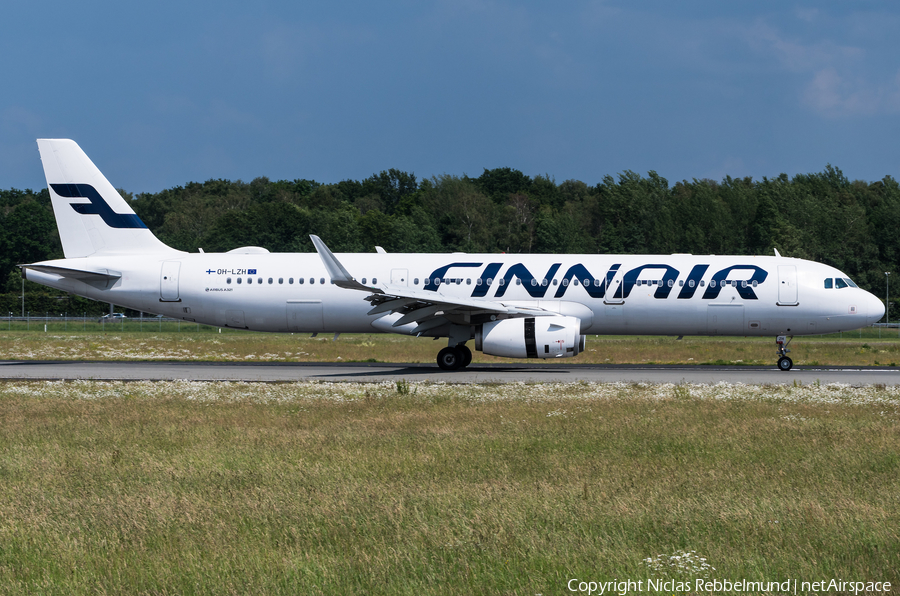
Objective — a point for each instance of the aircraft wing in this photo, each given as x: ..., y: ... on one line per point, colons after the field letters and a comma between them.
x: 427, y: 309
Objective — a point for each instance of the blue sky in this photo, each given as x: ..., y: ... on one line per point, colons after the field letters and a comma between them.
x: 162, y: 93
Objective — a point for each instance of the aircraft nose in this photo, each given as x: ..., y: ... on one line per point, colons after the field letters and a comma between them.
x: 874, y: 308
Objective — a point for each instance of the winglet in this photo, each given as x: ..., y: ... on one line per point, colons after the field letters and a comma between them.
x: 340, y: 276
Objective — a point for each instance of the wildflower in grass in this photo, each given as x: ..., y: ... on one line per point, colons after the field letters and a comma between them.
x: 680, y: 565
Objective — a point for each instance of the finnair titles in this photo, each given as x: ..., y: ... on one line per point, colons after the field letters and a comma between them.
x: 518, y: 306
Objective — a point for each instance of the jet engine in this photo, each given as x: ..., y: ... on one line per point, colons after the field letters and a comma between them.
x: 531, y: 337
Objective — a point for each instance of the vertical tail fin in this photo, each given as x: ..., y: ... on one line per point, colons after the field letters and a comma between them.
x: 93, y: 219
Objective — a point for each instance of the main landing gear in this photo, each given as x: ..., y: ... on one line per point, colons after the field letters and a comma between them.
x: 454, y: 357
x: 784, y: 363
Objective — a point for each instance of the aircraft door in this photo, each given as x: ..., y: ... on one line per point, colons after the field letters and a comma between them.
x: 235, y: 318
x: 168, y: 281
x: 399, y: 277
x: 787, y: 285
x: 305, y: 315
x: 725, y: 319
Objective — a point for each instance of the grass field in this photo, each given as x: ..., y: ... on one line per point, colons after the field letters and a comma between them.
x: 234, y: 488
x: 193, y: 342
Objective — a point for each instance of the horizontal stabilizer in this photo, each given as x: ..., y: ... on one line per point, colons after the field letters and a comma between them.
x: 85, y: 275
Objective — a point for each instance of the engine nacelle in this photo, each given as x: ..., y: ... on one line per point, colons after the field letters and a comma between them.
x: 531, y: 337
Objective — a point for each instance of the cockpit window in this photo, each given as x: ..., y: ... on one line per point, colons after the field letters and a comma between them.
x: 839, y: 282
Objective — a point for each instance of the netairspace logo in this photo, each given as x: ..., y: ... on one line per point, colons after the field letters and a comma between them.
x: 724, y: 586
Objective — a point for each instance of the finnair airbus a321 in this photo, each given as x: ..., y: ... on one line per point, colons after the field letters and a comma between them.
x: 515, y: 306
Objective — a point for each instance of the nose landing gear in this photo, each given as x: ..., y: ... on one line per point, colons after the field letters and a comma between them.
x: 784, y: 363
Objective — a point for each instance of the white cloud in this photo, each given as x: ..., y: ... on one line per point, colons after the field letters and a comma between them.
x: 807, y: 14
x: 836, y: 79
x: 832, y: 94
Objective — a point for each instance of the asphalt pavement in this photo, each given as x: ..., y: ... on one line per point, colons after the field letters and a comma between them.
x: 476, y: 373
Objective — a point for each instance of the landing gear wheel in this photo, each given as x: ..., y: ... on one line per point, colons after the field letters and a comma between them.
x: 784, y: 363
x: 450, y: 358
x: 467, y: 355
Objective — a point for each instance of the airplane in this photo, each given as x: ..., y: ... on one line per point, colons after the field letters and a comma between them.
x: 512, y: 305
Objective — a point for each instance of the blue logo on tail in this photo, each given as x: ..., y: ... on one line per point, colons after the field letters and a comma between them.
x: 97, y: 206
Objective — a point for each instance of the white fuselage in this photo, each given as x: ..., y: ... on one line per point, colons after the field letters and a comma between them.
x: 625, y: 294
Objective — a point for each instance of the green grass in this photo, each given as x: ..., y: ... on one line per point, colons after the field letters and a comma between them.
x: 207, y: 344
x: 403, y: 488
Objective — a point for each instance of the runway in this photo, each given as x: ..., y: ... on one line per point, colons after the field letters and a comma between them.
x: 476, y: 373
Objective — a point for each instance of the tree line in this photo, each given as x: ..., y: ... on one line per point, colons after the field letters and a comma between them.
x: 823, y: 216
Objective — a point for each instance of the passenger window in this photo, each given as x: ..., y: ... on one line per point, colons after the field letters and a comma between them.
x: 364, y: 281
x: 280, y: 280
x: 671, y: 282
x: 322, y: 280
x: 416, y: 281
x: 565, y: 282
x: 839, y: 283
x: 290, y: 280
x: 468, y: 281
x: 228, y: 281
x: 249, y: 280
x: 501, y: 282
x: 828, y: 283
x: 555, y: 282
x: 300, y: 280
x: 690, y: 283
x: 239, y: 280
x: 680, y: 283
x: 270, y: 281
x: 489, y: 281
x: 754, y: 283
x: 702, y: 283
x: 744, y: 284
x: 312, y: 280
x: 712, y: 283
x: 374, y: 280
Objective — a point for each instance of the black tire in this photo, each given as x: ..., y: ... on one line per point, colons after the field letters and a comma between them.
x: 466, y: 355
x: 785, y: 363
x: 450, y: 358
